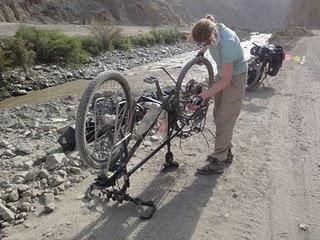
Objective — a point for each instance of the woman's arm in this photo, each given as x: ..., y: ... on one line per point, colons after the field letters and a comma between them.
x: 226, y: 76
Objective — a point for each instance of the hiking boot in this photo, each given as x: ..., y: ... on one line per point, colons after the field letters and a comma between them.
x: 214, y: 167
x: 229, y: 159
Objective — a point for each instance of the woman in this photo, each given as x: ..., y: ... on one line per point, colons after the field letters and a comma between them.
x: 228, y: 89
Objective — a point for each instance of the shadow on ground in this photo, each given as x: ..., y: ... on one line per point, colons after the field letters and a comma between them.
x: 260, y: 92
x: 175, y: 219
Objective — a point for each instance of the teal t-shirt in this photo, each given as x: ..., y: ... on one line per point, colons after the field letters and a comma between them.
x: 228, y: 50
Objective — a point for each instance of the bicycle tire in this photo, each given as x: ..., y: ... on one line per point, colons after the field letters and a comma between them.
x: 254, y: 76
x: 188, y: 66
x: 81, y: 119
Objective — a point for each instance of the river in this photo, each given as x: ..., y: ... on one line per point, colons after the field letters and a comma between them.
x: 134, y: 76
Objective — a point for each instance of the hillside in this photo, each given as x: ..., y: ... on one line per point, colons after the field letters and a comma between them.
x: 240, y: 13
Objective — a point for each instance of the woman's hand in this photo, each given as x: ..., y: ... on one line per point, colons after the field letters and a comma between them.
x: 205, y: 95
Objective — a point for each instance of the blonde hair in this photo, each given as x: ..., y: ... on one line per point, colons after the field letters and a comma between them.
x: 204, y: 29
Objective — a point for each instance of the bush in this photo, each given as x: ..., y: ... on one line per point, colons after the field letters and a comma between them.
x: 122, y: 43
x: 52, y: 46
x: 165, y: 36
x: 66, y: 50
x: 106, y: 34
x: 172, y: 36
x: 91, y: 45
x: 17, y: 52
x: 143, y: 40
x: 2, y: 62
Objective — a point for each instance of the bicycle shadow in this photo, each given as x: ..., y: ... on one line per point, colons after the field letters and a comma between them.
x: 175, y: 219
x: 260, y: 92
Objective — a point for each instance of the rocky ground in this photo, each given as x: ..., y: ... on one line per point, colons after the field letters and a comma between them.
x: 271, y: 191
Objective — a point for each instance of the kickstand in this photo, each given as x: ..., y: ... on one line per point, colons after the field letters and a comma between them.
x: 169, y: 164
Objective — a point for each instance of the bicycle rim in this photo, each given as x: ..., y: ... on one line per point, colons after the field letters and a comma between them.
x: 103, y: 122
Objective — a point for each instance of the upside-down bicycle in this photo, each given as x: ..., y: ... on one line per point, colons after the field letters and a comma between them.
x: 111, y: 125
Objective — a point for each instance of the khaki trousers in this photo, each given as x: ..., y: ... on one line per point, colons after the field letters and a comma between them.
x: 227, y: 105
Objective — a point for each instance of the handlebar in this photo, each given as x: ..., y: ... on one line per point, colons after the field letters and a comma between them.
x: 255, y: 44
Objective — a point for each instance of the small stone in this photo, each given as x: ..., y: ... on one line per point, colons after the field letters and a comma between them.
x: 62, y: 173
x: 75, y: 170
x: 13, y: 209
x: 235, y: 195
x: 26, y: 199
x: 24, y: 149
x: 6, y: 213
x: 56, y: 191
x: 31, y: 175
x: 80, y: 197
x: 56, y: 180
x: 4, y: 225
x: 18, y: 221
x: 43, y: 174
x: 49, y: 208
x: 28, y: 193
x: 74, y: 163
x: 22, y: 188
x: 4, y: 143
x: 147, y: 143
x: 19, y: 92
x: 154, y: 138
x: 27, y: 225
x: 47, y: 198
x: 24, y: 207
x: 38, y: 67
x: 76, y: 179
x: 9, y: 153
x: 19, y: 178
x: 28, y: 165
x: 303, y: 226
x: 13, y: 196
x: 61, y: 188
x: 23, y: 215
x: 55, y: 160
x: 6, y: 184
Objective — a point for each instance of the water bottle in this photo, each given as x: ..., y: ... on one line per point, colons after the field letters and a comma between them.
x: 148, y: 119
x: 163, y: 125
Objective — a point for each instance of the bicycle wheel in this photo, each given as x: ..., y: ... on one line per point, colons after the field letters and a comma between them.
x: 103, y: 122
x: 254, y: 74
x: 197, y: 75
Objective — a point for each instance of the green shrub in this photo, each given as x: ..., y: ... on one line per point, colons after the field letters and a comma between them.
x: 144, y: 40
x: 158, y: 36
x: 17, y: 53
x: 66, y: 50
x: 122, y: 43
x: 52, y: 46
x: 2, y: 62
x: 39, y: 39
x: 106, y: 34
x: 92, y: 45
x: 172, y: 36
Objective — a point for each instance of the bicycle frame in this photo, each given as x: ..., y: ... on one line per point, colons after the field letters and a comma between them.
x: 176, y: 125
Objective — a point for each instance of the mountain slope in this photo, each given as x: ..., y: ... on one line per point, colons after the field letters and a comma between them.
x: 254, y: 14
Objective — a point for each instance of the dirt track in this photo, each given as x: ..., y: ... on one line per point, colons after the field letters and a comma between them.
x: 272, y: 186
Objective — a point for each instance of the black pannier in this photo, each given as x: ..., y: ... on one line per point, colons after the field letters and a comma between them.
x: 275, y: 61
